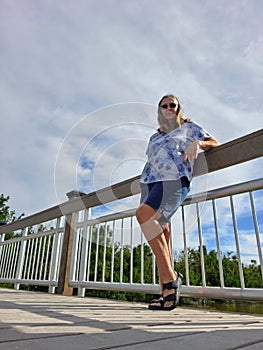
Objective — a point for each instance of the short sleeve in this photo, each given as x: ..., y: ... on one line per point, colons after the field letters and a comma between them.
x: 200, y: 133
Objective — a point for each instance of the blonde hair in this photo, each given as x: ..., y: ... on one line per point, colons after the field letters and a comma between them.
x: 162, y: 121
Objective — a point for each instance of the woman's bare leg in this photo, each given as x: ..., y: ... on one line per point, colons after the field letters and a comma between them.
x: 159, y: 241
x: 167, y: 234
x: 163, y: 258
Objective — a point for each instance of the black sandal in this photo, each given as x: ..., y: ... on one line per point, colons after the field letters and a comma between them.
x: 174, y: 297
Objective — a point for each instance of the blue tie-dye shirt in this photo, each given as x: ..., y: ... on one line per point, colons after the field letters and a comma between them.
x: 166, y: 153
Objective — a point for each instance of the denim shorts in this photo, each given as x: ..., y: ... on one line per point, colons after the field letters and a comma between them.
x: 165, y: 196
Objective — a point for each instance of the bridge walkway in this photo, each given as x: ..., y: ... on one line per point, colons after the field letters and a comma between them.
x: 39, y: 321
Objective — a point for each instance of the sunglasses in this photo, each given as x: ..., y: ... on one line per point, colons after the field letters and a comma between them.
x: 171, y: 105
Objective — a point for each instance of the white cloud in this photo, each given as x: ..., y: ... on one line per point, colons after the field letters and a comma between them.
x: 61, y: 61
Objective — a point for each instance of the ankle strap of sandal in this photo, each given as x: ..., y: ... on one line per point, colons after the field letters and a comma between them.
x: 173, y: 284
x: 170, y: 285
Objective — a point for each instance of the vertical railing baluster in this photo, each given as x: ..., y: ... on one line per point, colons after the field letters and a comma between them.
x: 241, y: 274
x: 25, y: 261
x: 121, y: 260
x: 17, y: 249
x: 202, y: 260
x: 79, y: 243
x: 12, y: 259
x: 112, y: 252
x: 33, y: 258
x: 6, y: 252
x: 219, y: 255
x: 42, y: 258
x: 53, y: 272
x: 104, y: 251
x: 90, y: 248
x: 256, y: 232
x: 2, y: 239
x: 154, y: 268
x: 187, y: 279
x: 79, y: 251
x: 171, y: 246
x: 35, y: 240
x: 142, y: 258
x: 39, y: 241
x: 47, y: 257
x: 30, y: 258
x: 97, y: 253
x: 1, y: 259
x: 6, y: 257
x: 131, y: 249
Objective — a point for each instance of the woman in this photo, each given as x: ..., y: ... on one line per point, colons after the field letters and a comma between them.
x: 165, y: 182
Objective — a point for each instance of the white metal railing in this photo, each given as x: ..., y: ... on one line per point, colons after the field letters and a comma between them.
x: 64, y: 247
x: 99, y: 245
x: 33, y: 257
x: 97, y: 242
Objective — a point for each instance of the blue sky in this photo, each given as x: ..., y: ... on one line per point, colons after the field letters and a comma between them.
x: 80, y: 81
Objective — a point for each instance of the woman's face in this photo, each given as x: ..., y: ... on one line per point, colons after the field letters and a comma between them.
x: 169, y: 108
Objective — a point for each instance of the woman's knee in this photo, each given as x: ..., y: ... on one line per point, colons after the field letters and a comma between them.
x: 140, y: 214
x: 145, y: 213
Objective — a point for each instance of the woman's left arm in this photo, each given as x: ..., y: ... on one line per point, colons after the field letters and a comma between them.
x: 208, y: 143
x: 192, y: 152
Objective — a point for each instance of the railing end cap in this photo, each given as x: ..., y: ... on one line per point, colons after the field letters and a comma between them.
x: 75, y: 194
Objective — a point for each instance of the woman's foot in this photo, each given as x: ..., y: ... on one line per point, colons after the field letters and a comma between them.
x: 171, y: 293
x: 156, y: 304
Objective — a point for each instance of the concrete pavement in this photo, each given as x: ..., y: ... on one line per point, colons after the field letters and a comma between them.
x: 40, y: 321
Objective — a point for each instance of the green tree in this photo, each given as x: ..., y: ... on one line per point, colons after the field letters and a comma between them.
x: 211, y: 268
x: 6, y: 214
x: 231, y: 270
x: 252, y: 275
x: 194, y: 261
x: 148, y: 264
